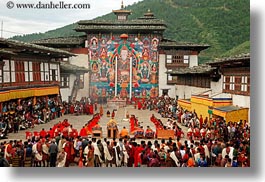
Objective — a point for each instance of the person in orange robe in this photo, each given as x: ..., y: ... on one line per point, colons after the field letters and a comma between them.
x: 124, y: 132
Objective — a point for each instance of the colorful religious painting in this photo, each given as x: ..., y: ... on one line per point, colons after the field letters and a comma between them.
x: 95, y: 71
x: 103, y: 42
x: 137, y: 59
x: 154, y: 74
x: 104, y: 71
x: 153, y: 92
x: 145, y: 54
x: 145, y: 72
x: 94, y: 43
x: 103, y: 53
x: 94, y: 92
x: 124, y: 93
x: 146, y: 42
x: 154, y: 44
x: 154, y: 56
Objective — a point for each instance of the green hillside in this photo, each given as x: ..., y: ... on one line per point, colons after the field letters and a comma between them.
x: 242, y: 48
x: 223, y: 24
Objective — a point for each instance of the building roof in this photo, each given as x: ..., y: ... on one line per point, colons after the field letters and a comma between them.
x: 116, y: 25
x: 166, y: 43
x: 122, y: 10
x: 72, y: 40
x: 239, y: 59
x: 228, y: 108
x: 67, y: 67
x: 201, y: 69
x: 24, y: 47
x: 6, y: 52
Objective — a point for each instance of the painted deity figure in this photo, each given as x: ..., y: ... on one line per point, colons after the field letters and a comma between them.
x: 145, y: 54
x: 153, y: 92
x: 94, y: 43
x: 95, y: 70
x: 123, y: 93
x: 104, y: 72
x: 154, y: 44
x: 103, y: 54
x: 145, y: 72
x: 153, y: 74
x: 124, y: 60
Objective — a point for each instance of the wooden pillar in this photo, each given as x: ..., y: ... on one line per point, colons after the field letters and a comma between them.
x: 34, y: 100
x: 18, y: 102
x: 1, y: 107
x: 46, y: 98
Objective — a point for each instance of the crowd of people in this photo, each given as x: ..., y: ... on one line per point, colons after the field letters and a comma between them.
x: 211, y: 142
x: 26, y: 113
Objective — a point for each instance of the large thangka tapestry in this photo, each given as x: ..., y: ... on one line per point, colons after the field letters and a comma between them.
x: 124, y: 66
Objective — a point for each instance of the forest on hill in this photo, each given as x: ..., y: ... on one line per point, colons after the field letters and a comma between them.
x: 223, y: 24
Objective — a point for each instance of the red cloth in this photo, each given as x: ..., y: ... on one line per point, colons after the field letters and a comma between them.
x: 132, y: 124
x: 91, y: 109
x: 83, y: 132
x: 72, y: 109
x: 137, y: 157
x: 43, y: 133
x: 67, y: 149
x: 139, y: 105
x: 51, y: 133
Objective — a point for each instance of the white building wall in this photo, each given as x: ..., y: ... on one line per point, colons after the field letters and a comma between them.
x: 217, y: 87
x: 241, y: 100
x: 82, y: 61
x: 163, y: 77
x: 66, y: 92
x: 193, y: 60
x: 185, y: 92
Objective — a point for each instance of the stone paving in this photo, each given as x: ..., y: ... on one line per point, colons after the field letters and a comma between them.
x: 79, y: 121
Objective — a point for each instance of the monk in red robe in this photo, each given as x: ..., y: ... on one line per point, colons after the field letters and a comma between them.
x: 132, y: 124
x: 8, y: 151
x: 138, y: 151
x: 72, y: 109
x: 51, y: 133
x: 43, y: 133
x: 83, y: 132
x: 67, y: 149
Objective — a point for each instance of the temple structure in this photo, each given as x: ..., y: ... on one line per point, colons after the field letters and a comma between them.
x: 126, y: 58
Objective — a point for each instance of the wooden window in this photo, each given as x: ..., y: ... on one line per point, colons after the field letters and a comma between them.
x: 18, y: 73
x: 169, y: 59
x: 36, y: 72
x: 236, y: 84
x: 65, y: 81
x: 186, y: 59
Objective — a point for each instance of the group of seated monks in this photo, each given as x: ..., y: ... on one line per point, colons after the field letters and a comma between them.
x: 87, y: 129
x: 138, y: 131
x: 61, y: 128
